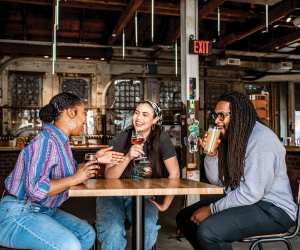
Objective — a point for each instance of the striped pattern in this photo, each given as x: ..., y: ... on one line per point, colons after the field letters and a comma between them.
x: 48, y: 156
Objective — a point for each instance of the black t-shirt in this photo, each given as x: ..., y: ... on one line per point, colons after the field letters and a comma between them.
x: 166, y: 149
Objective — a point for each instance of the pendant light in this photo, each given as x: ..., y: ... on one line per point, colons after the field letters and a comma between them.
x: 152, y: 20
x: 219, y: 22
x: 123, y: 45
x: 55, y: 28
x: 136, y: 29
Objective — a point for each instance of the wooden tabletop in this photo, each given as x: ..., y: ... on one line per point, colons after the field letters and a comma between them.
x: 130, y: 187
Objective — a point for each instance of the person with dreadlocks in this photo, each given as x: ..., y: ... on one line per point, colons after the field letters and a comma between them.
x: 111, y: 212
x: 250, y: 165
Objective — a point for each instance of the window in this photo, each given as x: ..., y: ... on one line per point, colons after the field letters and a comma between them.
x: 122, y: 97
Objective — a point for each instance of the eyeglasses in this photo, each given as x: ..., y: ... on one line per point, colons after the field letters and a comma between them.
x: 220, y: 115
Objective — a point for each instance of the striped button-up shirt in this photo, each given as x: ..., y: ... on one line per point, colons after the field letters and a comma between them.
x: 47, y: 157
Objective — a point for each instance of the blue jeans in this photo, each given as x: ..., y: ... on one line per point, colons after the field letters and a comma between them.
x: 111, y: 213
x: 28, y: 225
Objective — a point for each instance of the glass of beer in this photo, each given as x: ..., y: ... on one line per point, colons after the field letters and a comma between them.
x: 92, y: 157
x: 211, y: 144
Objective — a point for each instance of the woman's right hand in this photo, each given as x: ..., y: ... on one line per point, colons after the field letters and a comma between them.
x: 86, y: 171
x: 135, y: 151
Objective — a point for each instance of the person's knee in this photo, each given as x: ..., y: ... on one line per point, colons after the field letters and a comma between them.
x: 114, y: 231
x: 68, y: 243
x: 205, y: 233
x: 90, y: 235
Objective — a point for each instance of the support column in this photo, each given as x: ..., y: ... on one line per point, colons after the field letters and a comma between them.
x: 291, y: 111
x: 189, y: 62
x: 190, y: 88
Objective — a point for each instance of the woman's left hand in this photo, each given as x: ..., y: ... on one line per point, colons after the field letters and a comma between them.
x: 160, y: 206
x: 108, y: 156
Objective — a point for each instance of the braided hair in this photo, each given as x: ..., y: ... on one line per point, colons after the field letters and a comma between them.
x: 57, y: 104
x: 232, y: 150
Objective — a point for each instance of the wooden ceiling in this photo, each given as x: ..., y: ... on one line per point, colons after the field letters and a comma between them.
x: 92, y: 28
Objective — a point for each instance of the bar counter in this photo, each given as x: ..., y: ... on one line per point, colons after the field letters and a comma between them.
x: 295, y: 149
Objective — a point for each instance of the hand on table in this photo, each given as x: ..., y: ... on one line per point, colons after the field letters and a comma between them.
x: 201, y: 214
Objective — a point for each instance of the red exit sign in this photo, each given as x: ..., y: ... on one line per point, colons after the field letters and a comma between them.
x: 200, y: 47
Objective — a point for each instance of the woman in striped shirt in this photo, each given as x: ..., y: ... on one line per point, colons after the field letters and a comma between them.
x: 30, y: 217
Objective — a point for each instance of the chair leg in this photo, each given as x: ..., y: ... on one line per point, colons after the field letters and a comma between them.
x: 154, y: 247
x: 288, y: 244
x: 254, y: 244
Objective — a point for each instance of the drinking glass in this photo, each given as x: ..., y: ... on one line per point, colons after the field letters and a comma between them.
x: 92, y: 157
x: 142, y: 166
x: 211, y: 144
x: 137, y: 139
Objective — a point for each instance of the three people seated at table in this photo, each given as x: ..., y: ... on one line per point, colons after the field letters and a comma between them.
x: 111, y: 212
x: 250, y: 165
x: 30, y: 217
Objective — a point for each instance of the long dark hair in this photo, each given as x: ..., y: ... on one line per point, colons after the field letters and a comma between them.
x: 57, y: 104
x: 232, y: 150
x: 152, y: 146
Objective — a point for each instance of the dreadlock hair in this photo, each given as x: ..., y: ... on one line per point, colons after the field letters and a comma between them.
x: 232, y: 150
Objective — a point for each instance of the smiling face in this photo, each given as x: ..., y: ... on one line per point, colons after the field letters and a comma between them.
x: 222, y: 113
x: 143, y: 118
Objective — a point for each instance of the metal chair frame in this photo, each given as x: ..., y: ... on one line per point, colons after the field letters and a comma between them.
x: 283, y: 237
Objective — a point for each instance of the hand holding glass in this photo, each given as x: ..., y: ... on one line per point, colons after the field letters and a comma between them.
x: 137, y: 139
x: 211, y: 142
x: 142, y: 165
x: 92, y: 157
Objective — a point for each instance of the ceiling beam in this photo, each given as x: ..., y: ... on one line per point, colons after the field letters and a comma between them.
x: 214, y: 17
x: 161, y: 8
x: 14, y: 49
x: 204, y: 12
x: 125, y: 18
x: 275, y: 14
x: 225, y: 12
x: 262, y: 2
x: 282, y: 42
x: 208, y: 8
